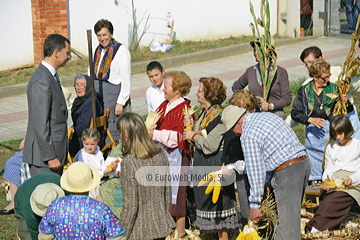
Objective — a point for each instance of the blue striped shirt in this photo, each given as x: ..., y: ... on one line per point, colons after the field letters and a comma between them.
x: 267, y: 142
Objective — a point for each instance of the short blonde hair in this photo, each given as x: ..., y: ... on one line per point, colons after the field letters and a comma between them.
x: 180, y: 81
x: 318, y: 67
x: 244, y: 99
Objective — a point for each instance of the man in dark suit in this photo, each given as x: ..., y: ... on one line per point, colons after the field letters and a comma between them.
x: 46, y: 136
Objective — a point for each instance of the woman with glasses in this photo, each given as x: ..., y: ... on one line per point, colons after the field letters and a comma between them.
x: 81, y: 111
x: 314, y: 106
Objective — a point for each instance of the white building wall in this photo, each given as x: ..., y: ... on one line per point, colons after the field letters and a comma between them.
x: 16, y: 41
x: 194, y: 20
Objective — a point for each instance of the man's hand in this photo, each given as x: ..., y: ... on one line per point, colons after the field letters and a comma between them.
x: 54, y: 164
x: 265, y: 106
x: 317, y: 122
x: 119, y: 109
x: 22, y: 144
x: 255, y: 215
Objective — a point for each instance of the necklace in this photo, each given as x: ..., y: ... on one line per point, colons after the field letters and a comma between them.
x: 320, y: 102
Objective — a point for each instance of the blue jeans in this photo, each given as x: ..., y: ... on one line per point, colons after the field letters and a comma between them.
x: 352, y: 12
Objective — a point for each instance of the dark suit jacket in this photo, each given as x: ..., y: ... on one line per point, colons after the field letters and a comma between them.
x: 46, y: 135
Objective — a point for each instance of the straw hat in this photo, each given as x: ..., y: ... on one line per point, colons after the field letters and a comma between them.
x: 43, y: 195
x: 231, y: 115
x: 80, y: 177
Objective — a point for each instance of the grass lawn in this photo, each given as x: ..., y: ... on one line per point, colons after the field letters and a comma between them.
x: 22, y: 75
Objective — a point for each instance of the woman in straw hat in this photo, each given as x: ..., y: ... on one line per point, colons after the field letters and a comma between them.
x: 146, y: 204
x: 78, y: 215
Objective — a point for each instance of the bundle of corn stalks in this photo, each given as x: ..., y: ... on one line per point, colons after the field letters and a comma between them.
x: 266, y: 228
x: 343, y: 234
x: 266, y: 50
x: 152, y: 119
x: 351, y: 67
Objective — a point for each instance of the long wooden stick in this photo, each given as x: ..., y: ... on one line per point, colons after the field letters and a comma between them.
x: 93, y: 101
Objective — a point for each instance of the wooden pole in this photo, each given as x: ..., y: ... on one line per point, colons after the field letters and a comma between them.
x: 93, y: 101
x: 171, y: 31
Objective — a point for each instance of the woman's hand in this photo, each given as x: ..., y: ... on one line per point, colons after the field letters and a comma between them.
x: 188, y: 121
x: 188, y: 134
x: 324, y: 186
x: 119, y: 109
x: 151, y: 133
x: 317, y: 122
x: 265, y: 106
x: 347, y: 182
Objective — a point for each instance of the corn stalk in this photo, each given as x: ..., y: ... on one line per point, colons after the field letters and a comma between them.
x: 351, y: 67
x: 266, y: 51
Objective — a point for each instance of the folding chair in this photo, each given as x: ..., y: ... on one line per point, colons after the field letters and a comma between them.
x: 102, y: 122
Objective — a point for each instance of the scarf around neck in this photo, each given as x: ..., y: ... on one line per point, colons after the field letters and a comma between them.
x: 102, y: 69
x: 210, y: 114
x: 327, y: 102
x: 78, y: 101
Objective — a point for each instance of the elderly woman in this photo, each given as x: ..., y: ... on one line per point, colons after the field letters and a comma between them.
x: 169, y: 132
x: 146, y: 208
x: 112, y: 72
x: 313, y: 107
x: 233, y: 156
x: 207, y: 136
x: 81, y: 111
x: 279, y: 94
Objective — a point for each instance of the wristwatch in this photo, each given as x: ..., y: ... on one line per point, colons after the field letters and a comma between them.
x: 272, y: 106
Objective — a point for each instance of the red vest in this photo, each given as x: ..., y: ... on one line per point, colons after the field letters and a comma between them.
x: 174, y: 121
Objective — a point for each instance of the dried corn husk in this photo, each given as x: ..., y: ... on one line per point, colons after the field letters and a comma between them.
x: 266, y: 51
x: 351, y: 66
x: 188, y: 112
x: 191, y: 235
x: 152, y: 119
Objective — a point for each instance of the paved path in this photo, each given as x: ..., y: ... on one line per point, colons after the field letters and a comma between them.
x: 13, y: 110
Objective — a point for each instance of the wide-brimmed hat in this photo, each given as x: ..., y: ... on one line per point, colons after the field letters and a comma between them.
x: 80, y: 177
x: 43, y: 195
x: 231, y: 115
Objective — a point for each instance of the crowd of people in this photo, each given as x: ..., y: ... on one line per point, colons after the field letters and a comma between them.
x: 247, y: 140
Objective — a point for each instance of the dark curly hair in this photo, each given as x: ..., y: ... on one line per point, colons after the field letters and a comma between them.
x: 214, y: 90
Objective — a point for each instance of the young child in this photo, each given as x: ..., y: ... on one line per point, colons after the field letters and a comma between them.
x: 91, y: 154
x: 342, y: 161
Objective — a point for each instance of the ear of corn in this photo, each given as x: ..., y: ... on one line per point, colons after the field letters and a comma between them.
x: 210, y: 187
x: 216, y: 192
x: 206, y: 179
x: 152, y: 119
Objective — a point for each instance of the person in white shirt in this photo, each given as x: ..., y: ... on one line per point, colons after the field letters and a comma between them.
x: 155, y: 94
x: 342, y: 165
x: 112, y: 72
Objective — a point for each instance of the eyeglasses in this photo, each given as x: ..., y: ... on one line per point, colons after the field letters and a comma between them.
x: 199, y: 91
x: 80, y: 85
x: 325, y: 78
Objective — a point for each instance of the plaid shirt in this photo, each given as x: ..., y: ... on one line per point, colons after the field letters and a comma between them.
x: 267, y: 142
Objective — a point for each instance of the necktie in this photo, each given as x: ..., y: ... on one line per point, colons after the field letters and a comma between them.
x: 57, y: 79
